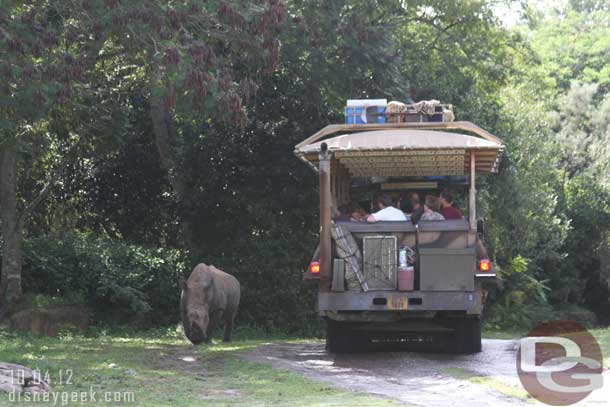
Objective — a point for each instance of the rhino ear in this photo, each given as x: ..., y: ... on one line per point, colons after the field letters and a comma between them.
x: 182, y: 284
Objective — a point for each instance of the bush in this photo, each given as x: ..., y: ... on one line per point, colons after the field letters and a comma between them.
x: 118, y: 281
x: 122, y: 282
x: 521, y: 302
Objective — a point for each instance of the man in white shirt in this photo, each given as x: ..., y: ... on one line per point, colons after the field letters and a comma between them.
x: 386, y: 211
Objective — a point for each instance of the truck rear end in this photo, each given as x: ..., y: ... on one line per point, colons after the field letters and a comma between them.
x: 365, y: 292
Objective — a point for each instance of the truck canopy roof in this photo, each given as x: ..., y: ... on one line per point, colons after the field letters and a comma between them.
x: 414, y: 149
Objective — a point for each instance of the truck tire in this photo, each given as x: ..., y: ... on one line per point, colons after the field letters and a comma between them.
x: 472, y: 344
x: 468, y: 332
x: 340, y: 338
x: 466, y: 336
x: 336, y: 337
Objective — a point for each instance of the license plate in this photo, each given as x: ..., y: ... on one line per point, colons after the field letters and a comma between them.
x: 398, y: 302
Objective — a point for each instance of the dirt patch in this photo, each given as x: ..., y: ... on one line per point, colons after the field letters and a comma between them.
x: 184, y: 359
x: 220, y: 394
x: 187, y: 360
x: 412, y: 378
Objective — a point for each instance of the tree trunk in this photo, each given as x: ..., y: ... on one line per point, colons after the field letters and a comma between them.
x: 10, y: 280
x: 168, y: 147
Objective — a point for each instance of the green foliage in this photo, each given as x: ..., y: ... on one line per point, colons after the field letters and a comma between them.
x: 523, y: 299
x: 573, y: 44
x: 524, y: 285
x: 549, y: 202
x: 586, y: 269
x: 117, y: 280
x: 583, y: 132
x: 31, y: 299
x: 127, y: 282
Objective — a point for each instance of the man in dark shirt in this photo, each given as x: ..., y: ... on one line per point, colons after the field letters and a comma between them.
x: 447, y: 209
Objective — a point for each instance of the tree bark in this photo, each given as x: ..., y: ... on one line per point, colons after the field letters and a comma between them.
x: 10, y: 279
x: 168, y: 147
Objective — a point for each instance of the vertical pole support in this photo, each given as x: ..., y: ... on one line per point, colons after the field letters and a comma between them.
x: 472, y: 195
x: 324, y: 158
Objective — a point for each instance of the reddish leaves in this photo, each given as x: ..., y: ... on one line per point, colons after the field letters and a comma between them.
x: 202, y: 54
x: 225, y: 81
x: 198, y: 81
x: 234, y: 111
x: 247, y: 89
x: 170, y: 98
x: 230, y: 16
x: 171, y: 57
x: 206, y: 55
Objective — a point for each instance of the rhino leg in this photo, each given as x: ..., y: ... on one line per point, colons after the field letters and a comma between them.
x: 228, y: 329
x: 215, y: 319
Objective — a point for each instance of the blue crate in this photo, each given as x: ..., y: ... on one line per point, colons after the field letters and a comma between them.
x: 372, y: 114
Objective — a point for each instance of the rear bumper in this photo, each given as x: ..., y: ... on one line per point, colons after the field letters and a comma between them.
x: 468, y: 301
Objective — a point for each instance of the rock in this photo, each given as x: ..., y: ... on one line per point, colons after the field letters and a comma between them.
x: 130, y: 372
x: 51, y: 320
x: 21, y: 379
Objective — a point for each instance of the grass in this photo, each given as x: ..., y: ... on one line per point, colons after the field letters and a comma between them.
x: 601, y: 334
x: 464, y: 374
x: 603, y: 338
x: 498, y: 334
x: 159, y: 369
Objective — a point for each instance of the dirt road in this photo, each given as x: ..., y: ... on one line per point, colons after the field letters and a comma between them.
x: 416, y: 379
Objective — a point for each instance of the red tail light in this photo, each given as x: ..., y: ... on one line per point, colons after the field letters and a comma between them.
x: 485, y: 265
x: 314, y: 267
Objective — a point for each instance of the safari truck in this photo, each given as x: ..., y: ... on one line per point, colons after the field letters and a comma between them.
x: 357, y: 265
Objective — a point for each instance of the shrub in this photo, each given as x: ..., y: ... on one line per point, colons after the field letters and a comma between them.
x: 122, y: 282
x: 119, y: 281
x: 521, y: 301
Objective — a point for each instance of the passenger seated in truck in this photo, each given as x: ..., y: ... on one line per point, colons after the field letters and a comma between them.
x: 359, y: 214
x: 407, y: 208
x: 344, y: 214
x: 431, y: 209
x: 415, y: 201
x: 386, y: 211
x: 448, y: 209
x: 410, y: 205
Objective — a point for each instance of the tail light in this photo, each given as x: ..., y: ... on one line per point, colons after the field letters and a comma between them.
x: 485, y: 265
x: 314, y: 267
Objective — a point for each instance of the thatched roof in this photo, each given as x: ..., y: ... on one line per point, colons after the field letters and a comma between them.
x: 397, y: 150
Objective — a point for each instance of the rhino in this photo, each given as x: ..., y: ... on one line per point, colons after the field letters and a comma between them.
x: 208, y: 297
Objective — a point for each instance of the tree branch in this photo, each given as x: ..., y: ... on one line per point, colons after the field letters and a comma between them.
x: 29, y: 208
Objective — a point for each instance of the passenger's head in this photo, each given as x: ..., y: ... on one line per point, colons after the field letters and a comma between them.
x: 446, y: 199
x: 383, y: 201
x: 358, y: 213
x: 432, y: 203
x: 345, y: 210
x: 414, y: 200
x: 406, y: 206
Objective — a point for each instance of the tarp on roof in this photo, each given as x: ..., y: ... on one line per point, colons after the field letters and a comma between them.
x: 406, y: 152
x: 401, y: 139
